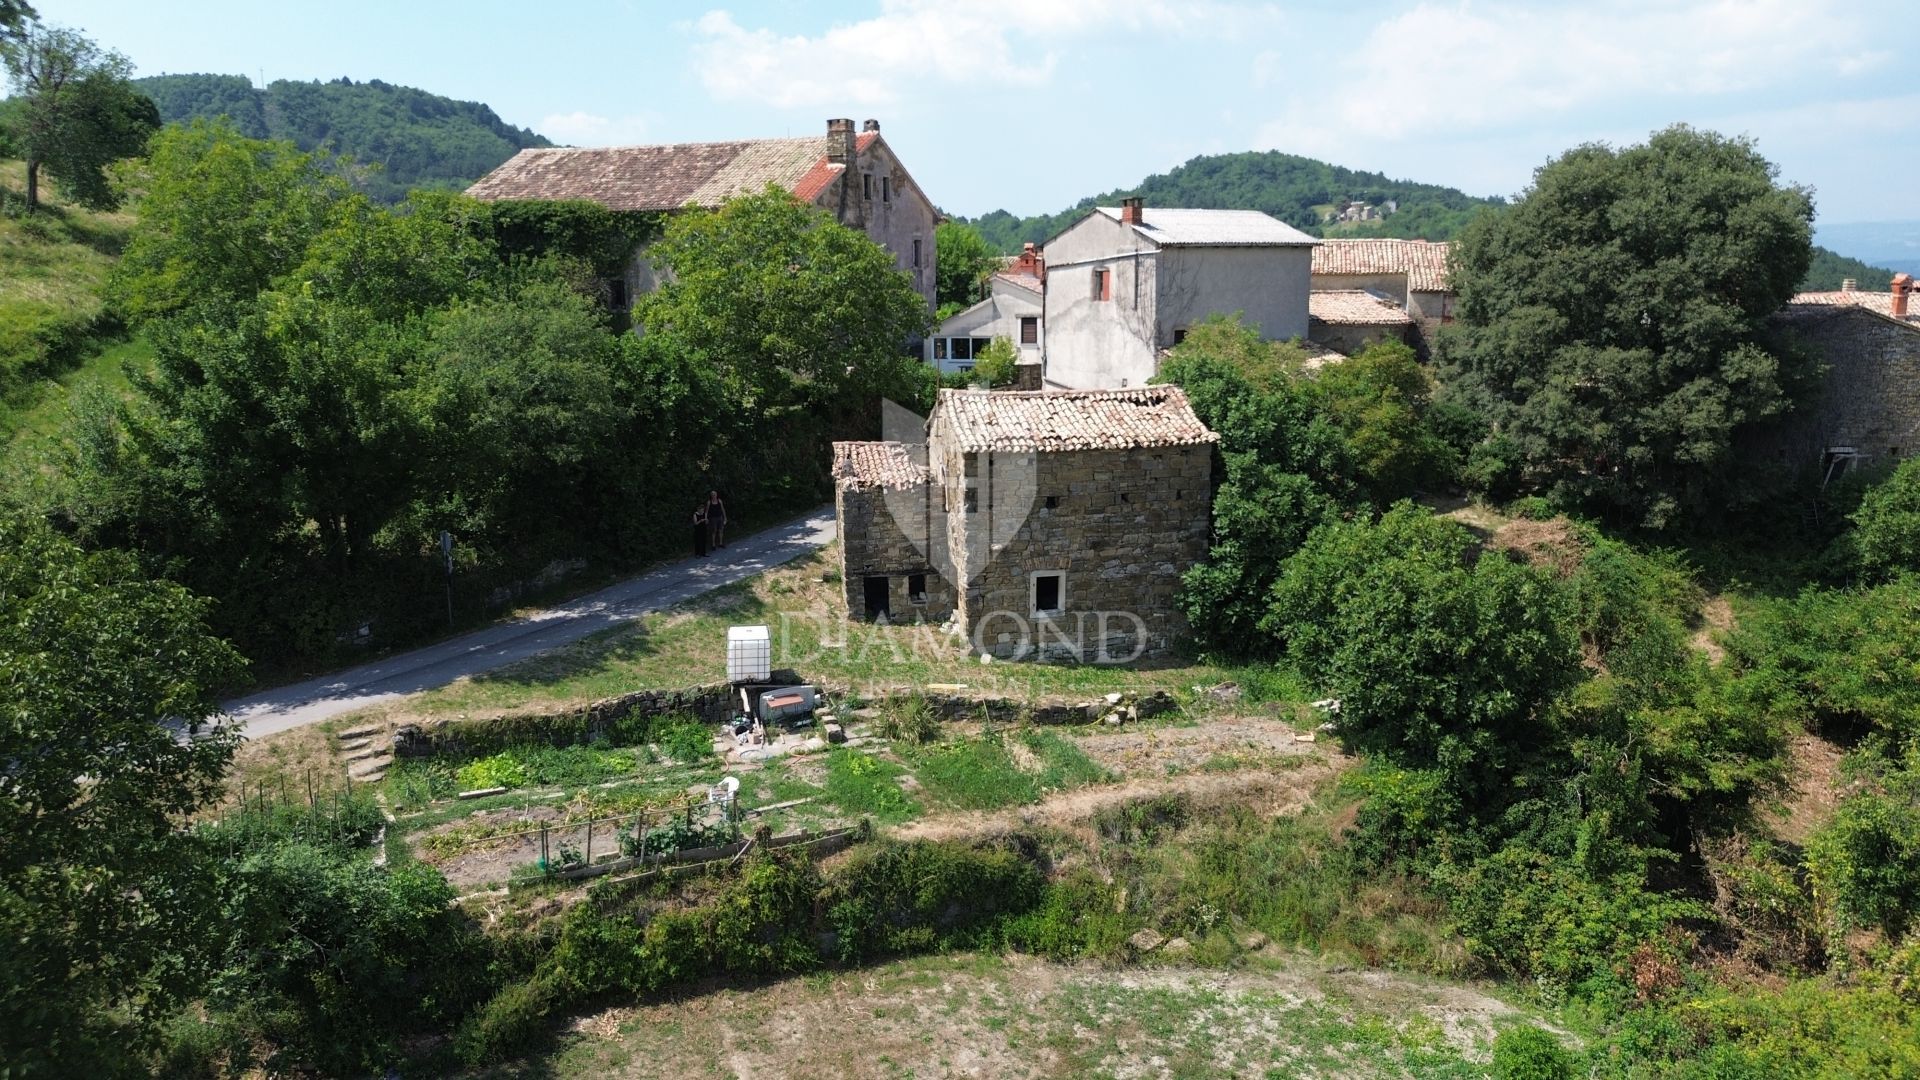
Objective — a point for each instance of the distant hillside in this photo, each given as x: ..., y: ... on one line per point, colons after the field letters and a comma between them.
x: 420, y: 139
x: 1830, y: 268
x: 1299, y: 191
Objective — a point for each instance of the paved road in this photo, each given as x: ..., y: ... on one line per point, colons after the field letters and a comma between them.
x: 483, y: 650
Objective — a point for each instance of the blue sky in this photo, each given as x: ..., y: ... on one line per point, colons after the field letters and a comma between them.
x: 1029, y: 105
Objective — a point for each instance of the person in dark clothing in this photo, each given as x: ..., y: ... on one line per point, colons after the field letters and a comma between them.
x: 717, y: 519
x: 700, y: 533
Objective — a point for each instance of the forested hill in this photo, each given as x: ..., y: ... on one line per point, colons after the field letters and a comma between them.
x: 419, y: 139
x: 1298, y: 190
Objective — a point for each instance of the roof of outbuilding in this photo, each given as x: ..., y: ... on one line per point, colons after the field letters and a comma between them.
x: 666, y: 177
x: 1029, y: 282
x: 1355, y: 307
x: 1056, y: 420
x: 1424, y: 262
x: 887, y: 465
x: 1817, y: 304
x: 1214, y: 228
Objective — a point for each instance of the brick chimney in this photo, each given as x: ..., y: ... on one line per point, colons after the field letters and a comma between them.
x: 1902, y: 289
x: 1133, y: 210
x: 840, y: 142
x: 869, y: 125
x: 1030, y: 261
x: 1848, y: 285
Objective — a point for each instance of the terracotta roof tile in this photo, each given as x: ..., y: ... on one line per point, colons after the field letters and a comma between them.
x: 1814, y: 304
x: 1424, y: 262
x: 664, y: 177
x: 1355, y: 307
x: 1028, y: 282
x: 1056, y: 420
x: 889, y: 465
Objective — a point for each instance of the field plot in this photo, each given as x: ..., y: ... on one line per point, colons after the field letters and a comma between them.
x: 967, y: 1015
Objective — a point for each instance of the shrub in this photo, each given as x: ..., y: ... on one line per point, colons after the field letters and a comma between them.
x: 500, y: 770
x: 686, y: 740
x: 996, y: 364
x: 1079, y: 916
x: 1528, y: 1053
x: 513, y: 1020
x: 1865, y: 863
x: 1887, y: 525
x: 900, y: 898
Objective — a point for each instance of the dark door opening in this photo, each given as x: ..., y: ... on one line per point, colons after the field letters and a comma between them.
x: 877, y: 598
x: 1046, y: 593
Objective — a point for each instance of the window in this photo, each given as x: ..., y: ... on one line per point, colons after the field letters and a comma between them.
x: 617, y: 294
x: 1102, y: 284
x: 1179, y: 335
x: 1049, y: 592
x: 970, y: 502
x: 1053, y: 502
x: 916, y: 253
x: 916, y: 588
x: 939, y: 348
x: 980, y: 345
x: 866, y: 185
x: 886, y: 189
x: 1029, y: 329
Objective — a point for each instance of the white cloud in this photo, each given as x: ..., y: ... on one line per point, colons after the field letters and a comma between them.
x: 588, y: 129
x: 911, y: 43
x: 1468, y: 69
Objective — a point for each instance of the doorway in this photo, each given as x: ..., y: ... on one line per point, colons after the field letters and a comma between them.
x: 878, y: 598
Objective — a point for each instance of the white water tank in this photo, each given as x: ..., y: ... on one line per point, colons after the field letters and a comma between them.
x: 749, y: 654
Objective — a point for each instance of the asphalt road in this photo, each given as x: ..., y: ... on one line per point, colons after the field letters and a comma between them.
x: 308, y: 702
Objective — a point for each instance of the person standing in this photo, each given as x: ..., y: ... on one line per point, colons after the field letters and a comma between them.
x: 700, y: 533
x: 717, y: 519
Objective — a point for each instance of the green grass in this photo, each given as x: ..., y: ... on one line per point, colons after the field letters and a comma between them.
x: 861, y: 784
x: 996, y: 769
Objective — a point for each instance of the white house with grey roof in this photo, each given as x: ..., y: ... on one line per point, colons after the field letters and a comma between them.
x: 1124, y: 284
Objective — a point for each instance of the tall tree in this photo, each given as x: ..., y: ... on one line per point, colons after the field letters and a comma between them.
x: 99, y: 888
x: 962, y: 261
x: 79, y: 112
x: 1612, y: 323
x: 794, y: 308
x: 14, y: 17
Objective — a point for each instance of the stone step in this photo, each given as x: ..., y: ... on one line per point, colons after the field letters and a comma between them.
x: 370, y: 774
x: 355, y: 744
x: 359, y: 733
x: 370, y: 755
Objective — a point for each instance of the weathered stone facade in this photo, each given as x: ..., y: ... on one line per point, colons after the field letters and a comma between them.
x: 1068, y: 516
x: 1869, y: 406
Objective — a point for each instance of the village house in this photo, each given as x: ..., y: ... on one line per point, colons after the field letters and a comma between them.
x: 1868, y: 410
x: 1348, y: 320
x: 1041, y: 523
x: 1123, y: 284
x: 852, y: 175
x: 1410, y: 273
x: 1013, y: 309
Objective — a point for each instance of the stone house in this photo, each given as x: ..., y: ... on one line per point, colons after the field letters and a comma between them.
x: 1868, y: 410
x: 1013, y: 310
x: 1039, y: 523
x: 854, y: 176
x: 1124, y: 283
x: 1411, y: 273
x: 1349, y: 320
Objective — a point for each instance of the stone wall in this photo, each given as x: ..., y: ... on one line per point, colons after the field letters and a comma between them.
x: 1870, y: 399
x: 872, y: 544
x: 1351, y: 339
x: 1122, y: 525
x: 712, y: 703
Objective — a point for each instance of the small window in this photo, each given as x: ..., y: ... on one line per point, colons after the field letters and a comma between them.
x: 971, y: 501
x: 916, y: 253
x: 1893, y: 451
x: 980, y: 346
x: 1049, y: 593
x: 1053, y: 502
x: 1029, y: 328
x: 916, y: 588
x: 886, y: 189
x: 866, y: 185
x: 1102, y: 287
x: 960, y: 348
x: 1179, y: 335
x: 939, y: 348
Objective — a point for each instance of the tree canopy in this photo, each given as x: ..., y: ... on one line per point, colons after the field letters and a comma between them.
x: 98, y: 666
x: 1612, y: 323
x: 963, y: 261
x: 78, y: 112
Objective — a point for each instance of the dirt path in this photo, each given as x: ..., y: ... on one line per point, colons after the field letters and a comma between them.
x: 988, y: 1016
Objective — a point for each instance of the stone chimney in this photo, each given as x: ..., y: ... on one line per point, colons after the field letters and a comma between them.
x: 1902, y: 289
x: 1030, y: 261
x: 870, y: 125
x: 1133, y: 210
x: 840, y: 142
x: 1848, y: 285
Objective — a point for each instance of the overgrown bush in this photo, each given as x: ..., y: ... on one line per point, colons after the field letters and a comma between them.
x: 1528, y: 1053
x: 1886, y: 532
x: 1865, y: 862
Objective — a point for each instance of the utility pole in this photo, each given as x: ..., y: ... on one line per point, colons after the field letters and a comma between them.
x: 446, y: 557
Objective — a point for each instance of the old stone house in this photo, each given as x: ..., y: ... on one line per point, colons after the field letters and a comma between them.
x: 1013, y: 309
x: 1039, y: 523
x: 1868, y: 410
x: 854, y: 176
x: 1125, y: 283
x: 1410, y: 273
